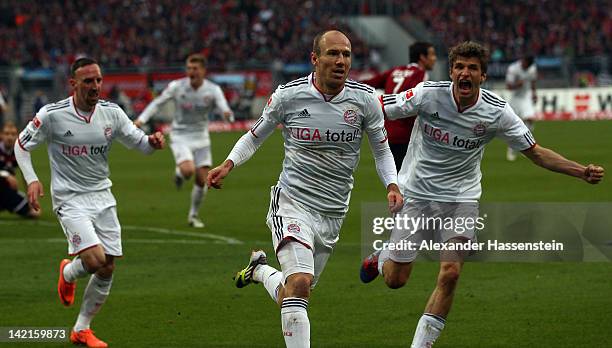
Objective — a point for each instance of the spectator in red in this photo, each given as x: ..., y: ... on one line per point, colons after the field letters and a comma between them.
x: 398, y: 79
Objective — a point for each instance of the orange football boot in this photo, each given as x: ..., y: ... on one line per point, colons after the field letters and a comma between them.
x: 87, y: 338
x: 64, y: 289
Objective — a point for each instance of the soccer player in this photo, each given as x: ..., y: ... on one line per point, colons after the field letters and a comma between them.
x: 195, y: 98
x: 324, y: 116
x: 10, y: 197
x: 398, y: 79
x: 441, y: 175
x: 79, y: 131
x: 521, y: 81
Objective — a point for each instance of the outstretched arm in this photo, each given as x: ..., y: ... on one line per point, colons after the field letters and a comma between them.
x: 134, y: 138
x: 35, y: 187
x: 385, y: 167
x: 243, y: 150
x: 155, y: 104
x: 553, y: 161
x: 33, y: 135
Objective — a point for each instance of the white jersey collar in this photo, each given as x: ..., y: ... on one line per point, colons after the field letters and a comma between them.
x: 86, y: 118
x: 469, y: 107
x: 311, y: 80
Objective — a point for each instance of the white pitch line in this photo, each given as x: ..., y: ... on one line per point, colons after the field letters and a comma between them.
x: 215, y: 237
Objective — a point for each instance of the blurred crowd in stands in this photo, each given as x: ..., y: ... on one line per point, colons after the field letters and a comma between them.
x: 574, y: 28
x: 162, y: 32
x: 124, y: 33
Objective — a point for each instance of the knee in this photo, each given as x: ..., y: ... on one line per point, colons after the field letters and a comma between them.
x: 449, y: 276
x: 395, y: 281
x: 298, y: 285
x: 94, y: 263
x: 396, y: 274
x: 201, y: 181
x: 187, y: 172
x: 106, y: 271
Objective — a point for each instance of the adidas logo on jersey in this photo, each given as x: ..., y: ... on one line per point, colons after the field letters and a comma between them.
x: 435, y: 115
x: 303, y: 113
x: 68, y: 134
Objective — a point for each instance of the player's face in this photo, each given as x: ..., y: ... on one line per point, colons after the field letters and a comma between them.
x: 467, y: 76
x: 87, y: 84
x: 430, y: 59
x: 9, y: 135
x: 196, y: 73
x: 333, y: 64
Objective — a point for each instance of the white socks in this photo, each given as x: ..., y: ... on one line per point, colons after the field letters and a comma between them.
x: 384, y: 256
x: 197, y: 196
x: 295, y: 323
x: 177, y: 172
x: 271, y: 279
x: 294, y: 317
x: 95, y: 295
x: 74, y: 270
x: 428, y: 330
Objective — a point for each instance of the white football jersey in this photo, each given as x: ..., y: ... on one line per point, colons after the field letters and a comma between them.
x: 192, y: 106
x: 446, y: 146
x: 322, y: 140
x: 517, y: 73
x: 78, y: 146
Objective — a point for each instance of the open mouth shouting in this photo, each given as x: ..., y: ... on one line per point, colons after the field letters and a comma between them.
x: 465, y: 86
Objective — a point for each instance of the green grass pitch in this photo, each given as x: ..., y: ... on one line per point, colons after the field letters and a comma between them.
x: 174, y: 289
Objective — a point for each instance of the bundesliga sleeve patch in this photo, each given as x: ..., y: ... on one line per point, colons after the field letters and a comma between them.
x: 409, y: 94
x: 36, y: 122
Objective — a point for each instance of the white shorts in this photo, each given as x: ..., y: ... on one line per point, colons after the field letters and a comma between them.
x: 293, y: 224
x: 201, y: 156
x: 434, y: 231
x: 90, y: 219
x: 523, y: 108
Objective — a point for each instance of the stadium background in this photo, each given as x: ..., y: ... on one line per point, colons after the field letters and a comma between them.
x: 173, y: 287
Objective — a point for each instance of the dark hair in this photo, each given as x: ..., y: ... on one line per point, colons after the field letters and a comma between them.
x: 469, y: 49
x: 81, y: 62
x: 197, y: 58
x: 316, y: 43
x: 418, y: 49
x: 529, y: 59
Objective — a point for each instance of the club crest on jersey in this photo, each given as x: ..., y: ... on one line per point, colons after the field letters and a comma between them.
x: 409, y: 94
x: 76, y: 240
x: 351, y: 117
x: 480, y: 129
x: 36, y: 122
x: 293, y: 228
x: 108, y: 132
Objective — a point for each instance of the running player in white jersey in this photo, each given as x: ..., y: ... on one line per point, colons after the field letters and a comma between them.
x: 521, y: 81
x: 324, y: 117
x: 440, y: 176
x: 195, y: 98
x: 79, y: 131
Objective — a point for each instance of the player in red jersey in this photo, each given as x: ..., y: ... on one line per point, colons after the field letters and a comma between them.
x: 402, y: 78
